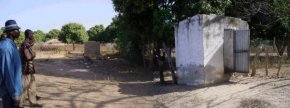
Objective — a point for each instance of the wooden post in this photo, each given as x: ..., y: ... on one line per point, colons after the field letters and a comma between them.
x: 267, y: 61
x: 255, y: 62
x: 276, y: 49
x: 279, y: 65
x: 74, y: 46
x: 288, y: 51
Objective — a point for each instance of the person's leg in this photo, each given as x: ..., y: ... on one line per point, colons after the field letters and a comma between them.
x: 23, y: 96
x: 161, y: 74
x: 7, y: 101
x: 31, y: 89
x: 32, y: 92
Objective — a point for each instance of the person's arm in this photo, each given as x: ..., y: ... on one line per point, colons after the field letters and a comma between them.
x: 32, y: 53
x: 28, y: 54
x: 13, y: 76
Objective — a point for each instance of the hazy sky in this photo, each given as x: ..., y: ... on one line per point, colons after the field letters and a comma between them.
x: 52, y: 14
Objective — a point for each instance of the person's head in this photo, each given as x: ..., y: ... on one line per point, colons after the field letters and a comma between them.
x: 12, y: 29
x: 28, y: 34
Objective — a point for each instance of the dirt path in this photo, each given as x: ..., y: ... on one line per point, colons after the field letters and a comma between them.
x: 114, y: 83
x: 271, y: 93
x: 71, y: 83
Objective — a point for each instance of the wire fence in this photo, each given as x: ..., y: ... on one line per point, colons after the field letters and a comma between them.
x: 266, y: 61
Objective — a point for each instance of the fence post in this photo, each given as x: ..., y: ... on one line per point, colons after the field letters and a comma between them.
x: 267, y: 61
x: 288, y: 51
x: 255, y: 62
x: 279, y: 65
x: 74, y: 46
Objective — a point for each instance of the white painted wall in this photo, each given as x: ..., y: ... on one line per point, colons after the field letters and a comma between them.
x: 188, y: 42
x: 212, y: 37
x: 189, y: 50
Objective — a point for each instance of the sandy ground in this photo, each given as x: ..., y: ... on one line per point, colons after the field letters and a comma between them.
x: 69, y: 82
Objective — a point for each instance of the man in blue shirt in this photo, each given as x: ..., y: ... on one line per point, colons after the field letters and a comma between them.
x: 10, y: 67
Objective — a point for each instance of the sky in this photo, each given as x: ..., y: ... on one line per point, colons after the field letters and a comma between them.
x: 53, y: 14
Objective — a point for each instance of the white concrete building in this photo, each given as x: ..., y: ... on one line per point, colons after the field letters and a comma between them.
x: 199, y: 44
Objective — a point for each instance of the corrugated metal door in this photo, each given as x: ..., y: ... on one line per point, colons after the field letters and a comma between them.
x: 241, y: 50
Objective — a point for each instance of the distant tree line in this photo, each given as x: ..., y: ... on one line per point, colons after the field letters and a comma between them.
x: 73, y: 33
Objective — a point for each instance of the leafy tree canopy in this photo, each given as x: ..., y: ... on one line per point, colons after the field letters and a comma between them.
x: 268, y: 19
x: 1, y: 30
x: 73, y: 33
x: 39, y: 36
x: 52, y: 34
x: 94, y: 32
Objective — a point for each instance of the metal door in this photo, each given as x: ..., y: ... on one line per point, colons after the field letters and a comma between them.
x: 241, y: 50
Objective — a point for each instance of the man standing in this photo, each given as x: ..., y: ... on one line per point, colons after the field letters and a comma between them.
x: 10, y: 67
x: 27, y: 56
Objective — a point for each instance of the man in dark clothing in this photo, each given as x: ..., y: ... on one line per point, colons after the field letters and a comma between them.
x: 10, y: 67
x: 27, y: 56
x: 158, y: 61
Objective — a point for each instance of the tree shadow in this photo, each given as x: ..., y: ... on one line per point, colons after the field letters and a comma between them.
x: 133, y: 81
x: 108, y: 70
x: 249, y: 102
x: 268, y: 82
x: 100, y: 69
x: 152, y: 88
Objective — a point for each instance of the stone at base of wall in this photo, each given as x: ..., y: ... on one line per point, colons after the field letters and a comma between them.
x: 192, y: 75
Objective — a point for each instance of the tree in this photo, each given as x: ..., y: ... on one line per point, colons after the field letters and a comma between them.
x: 1, y: 30
x: 147, y: 22
x: 52, y: 34
x: 136, y: 17
x: 73, y: 33
x: 94, y: 32
x: 39, y: 36
x: 268, y: 19
x: 187, y: 8
x: 120, y: 33
x: 281, y: 13
x: 152, y: 21
x: 112, y: 31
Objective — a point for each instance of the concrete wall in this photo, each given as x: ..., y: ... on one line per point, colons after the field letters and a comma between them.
x: 189, y: 50
x: 92, y: 49
x: 199, y: 48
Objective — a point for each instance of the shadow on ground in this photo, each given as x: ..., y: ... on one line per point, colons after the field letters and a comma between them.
x: 133, y: 82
